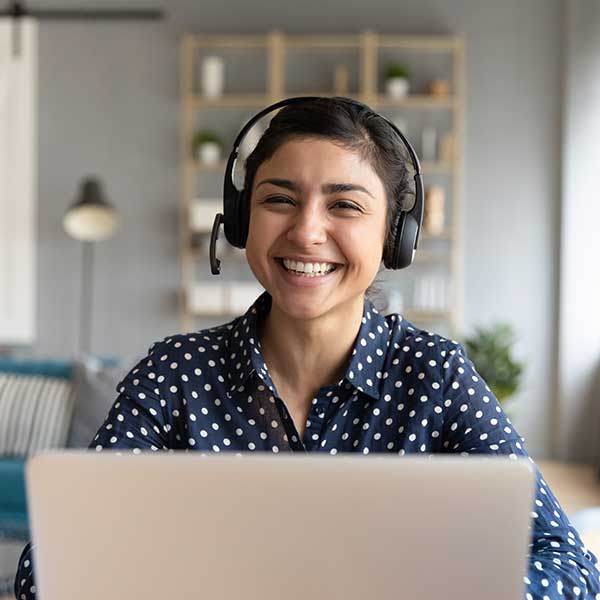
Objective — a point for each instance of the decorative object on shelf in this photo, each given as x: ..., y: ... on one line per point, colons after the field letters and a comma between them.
x: 490, y: 350
x: 434, y: 217
x: 231, y: 298
x: 430, y: 293
x: 438, y: 87
x: 202, y: 213
x: 341, y: 78
x: 90, y: 219
x: 212, y: 76
x: 207, y: 147
x: 207, y: 298
x: 397, y: 83
x: 429, y: 143
x: 447, y: 148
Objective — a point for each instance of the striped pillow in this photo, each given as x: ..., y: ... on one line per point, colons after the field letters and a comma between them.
x: 35, y: 413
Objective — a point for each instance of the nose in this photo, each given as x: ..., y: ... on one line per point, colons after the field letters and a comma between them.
x: 308, y: 226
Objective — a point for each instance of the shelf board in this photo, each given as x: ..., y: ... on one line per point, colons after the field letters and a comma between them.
x: 417, y: 42
x: 196, y: 165
x: 426, y: 237
x: 416, y: 314
x: 309, y: 42
x: 262, y: 100
x: 413, y: 315
x: 415, y: 101
x: 230, y: 100
x: 353, y: 41
x: 425, y: 256
x: 224, y: 41
x: 427, y: 167
x: 421, y: 256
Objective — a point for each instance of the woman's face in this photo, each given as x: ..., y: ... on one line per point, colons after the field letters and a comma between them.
x: 316, y: 203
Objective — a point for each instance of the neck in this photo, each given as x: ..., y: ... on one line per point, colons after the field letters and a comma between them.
x: 311, y: 353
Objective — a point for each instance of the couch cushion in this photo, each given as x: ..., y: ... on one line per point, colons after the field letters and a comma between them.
x: 13, y: 502
x: 35, y: 413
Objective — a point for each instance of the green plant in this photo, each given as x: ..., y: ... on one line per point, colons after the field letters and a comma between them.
x: 397, y: 70
x: 490, y: 351
x: 203, y: 136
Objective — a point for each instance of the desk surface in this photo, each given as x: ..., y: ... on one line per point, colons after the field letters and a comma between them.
x: 576, y: 487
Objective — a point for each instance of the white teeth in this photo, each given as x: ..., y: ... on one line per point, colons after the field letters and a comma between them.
x: 309, y: 269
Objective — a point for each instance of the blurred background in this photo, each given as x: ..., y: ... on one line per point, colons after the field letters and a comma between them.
x: 115, y: 131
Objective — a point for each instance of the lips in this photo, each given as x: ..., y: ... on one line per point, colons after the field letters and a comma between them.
x: 302, y: 279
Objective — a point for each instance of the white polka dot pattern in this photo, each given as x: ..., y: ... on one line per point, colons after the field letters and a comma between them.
x: 404, y: 391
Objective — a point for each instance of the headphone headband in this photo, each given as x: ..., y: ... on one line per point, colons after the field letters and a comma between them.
x: 406, y: 228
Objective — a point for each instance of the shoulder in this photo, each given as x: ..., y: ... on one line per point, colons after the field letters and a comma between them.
x: 203, y: 344
x: 412, y: 343
x: 180, y: 356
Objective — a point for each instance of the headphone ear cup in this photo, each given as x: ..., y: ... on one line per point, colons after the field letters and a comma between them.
x: 404, y: 242
x: 233, y: 218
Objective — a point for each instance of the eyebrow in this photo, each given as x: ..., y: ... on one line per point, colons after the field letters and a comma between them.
x: 326, y: 188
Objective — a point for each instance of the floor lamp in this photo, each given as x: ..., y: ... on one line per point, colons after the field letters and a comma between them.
x: 90, y: 219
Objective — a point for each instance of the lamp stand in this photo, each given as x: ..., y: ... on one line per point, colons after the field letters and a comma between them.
x: 86, y: 293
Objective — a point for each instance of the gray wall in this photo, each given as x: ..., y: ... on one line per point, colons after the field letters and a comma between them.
x: 109, y: 105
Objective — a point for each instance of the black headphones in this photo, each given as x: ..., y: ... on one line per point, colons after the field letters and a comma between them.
x: 235, y: 213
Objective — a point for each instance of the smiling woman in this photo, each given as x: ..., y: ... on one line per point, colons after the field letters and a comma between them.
x: 321, y: 191
x: 312, y: 366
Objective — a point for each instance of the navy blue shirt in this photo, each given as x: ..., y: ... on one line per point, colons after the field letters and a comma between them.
x: 405, y: 390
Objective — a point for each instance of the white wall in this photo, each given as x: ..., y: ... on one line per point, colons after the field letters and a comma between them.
x: 578, y: 418
x: 18, y: 183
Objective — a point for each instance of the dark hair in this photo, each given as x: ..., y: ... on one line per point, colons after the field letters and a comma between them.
x: 355, y: 128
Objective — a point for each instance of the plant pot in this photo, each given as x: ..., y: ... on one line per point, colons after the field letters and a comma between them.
x: 397, y: 87
x: 208, y: 153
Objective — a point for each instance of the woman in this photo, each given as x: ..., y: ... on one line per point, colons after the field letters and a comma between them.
x: 312, y: 365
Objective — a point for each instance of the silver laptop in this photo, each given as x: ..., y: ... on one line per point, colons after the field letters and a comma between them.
x: 272, y: 526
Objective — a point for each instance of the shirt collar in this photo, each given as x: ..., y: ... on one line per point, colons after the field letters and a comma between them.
x: 365, y: 370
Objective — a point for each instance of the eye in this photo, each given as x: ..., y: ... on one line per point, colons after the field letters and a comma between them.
x: 345, y: 204
x: 277, y: 199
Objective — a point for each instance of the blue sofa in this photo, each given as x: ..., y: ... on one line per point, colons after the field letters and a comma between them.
x: 92, y: 393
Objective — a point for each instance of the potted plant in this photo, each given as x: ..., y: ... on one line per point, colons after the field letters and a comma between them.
x: 490, y: 350
x: 397, y: 81
x: 206, y: 146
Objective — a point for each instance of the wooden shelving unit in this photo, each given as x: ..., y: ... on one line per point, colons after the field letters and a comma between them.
x: 368, y: 47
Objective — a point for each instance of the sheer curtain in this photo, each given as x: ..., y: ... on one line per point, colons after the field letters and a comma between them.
x: 18, y: 182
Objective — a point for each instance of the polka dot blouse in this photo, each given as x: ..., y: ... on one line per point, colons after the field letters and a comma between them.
x: 404, y: 391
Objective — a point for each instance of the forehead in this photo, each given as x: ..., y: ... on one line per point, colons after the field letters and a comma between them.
x: 310, y: 159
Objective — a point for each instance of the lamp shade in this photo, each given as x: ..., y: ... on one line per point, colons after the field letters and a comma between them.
x: 91, y: 218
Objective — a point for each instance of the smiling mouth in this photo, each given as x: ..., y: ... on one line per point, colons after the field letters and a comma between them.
x: 334, y: 267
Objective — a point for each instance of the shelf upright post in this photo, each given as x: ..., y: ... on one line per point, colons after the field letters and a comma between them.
x: 457, y: 263
x: 186, y: 85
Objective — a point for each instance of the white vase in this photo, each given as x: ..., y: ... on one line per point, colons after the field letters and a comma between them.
x: 209, y: 153
x: 212, y: 76
x: 397, y: 87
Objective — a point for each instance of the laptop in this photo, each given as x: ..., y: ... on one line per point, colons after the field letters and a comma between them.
x: 261, y: 526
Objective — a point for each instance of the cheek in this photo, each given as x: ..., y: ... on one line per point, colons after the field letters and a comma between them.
x: 261, y: 233
x: 364, y: 243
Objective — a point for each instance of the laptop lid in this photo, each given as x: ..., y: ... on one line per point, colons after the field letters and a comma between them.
x: 259, y: 526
